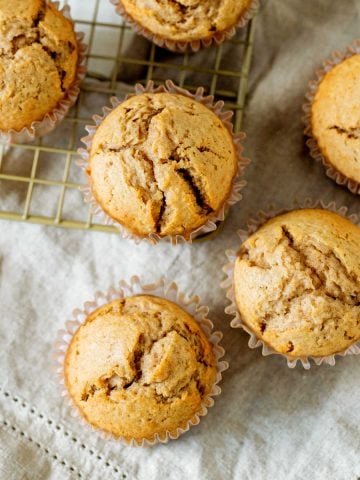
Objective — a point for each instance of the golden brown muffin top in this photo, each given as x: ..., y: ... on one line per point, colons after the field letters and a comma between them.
x: 186, y: 20
x: 335, y: 117
x: 297, y: 283
x: 38, y: 61
x: 139, y: 366
x: 162, y: 163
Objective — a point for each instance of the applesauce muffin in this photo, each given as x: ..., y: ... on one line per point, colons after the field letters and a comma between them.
x: 38, y: 61
x: 185, y: 21
x: 162, y: 163
x: 335, y: 119
x: 139, y: 367
x: 297, y: 283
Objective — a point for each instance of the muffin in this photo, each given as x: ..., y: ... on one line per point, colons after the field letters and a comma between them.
x: 38, y: 61
x: 177, y: 24
x: 162, y: 164
x: 334, y: 118
x: 297, y: 283
x: 139, y: 368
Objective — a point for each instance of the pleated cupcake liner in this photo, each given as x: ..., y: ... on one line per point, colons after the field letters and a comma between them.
x: 169, y: 291
x: 52, y: 119
x: 237, y: 185
x: 192, y: 45
x: 315, y: 151
x: 253, y: 225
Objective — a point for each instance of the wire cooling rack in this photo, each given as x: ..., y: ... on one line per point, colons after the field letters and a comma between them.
x: 39, y: 182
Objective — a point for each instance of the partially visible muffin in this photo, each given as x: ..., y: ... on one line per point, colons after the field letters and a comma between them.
x: 138, y: 367
x: 186, y: 20
x: 335, y: 119
x: 162, y: 163
x: 297, y: 283
x: 38, y: 61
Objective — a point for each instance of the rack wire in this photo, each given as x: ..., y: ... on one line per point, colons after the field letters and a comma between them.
x: 39, y: 182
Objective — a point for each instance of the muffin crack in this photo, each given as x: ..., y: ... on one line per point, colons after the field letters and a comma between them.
x: 138, y: 354
x: 40, y: 15
x: 259, y: 262
x: 158, y: 215
x: 303, y: 260
x: 60, y: 70
x: 190, y: 180
x: 351, y: 275
x: 263, y: 324
x: 36, y: 35
x: 194, y: 379
x: 113, y: 382
x: 22, y: 41
x: 181, y: 12
x: 89, y: 391
x: 136, y: 151
x: 145, y: 126
x: 352, y: 133
x: 206, y: 149
x: 312, y: 276
x: 320, y: 275
x: 142, y: 123
x: 159, y: 219
x: 181, y: 6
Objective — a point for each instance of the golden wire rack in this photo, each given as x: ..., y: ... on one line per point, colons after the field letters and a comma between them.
x: 39, y: 182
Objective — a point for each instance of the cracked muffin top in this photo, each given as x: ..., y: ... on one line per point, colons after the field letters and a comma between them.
x: 335, y: 117
x: 297, y: 283
x: 162, y: 163
x: 186, y: 20
x: 38, y: 61
x: 139, y: 366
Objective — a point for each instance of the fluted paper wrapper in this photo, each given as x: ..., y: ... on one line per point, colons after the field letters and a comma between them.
x: 315, y: 152
x: 135, y: 287
x: 42, y: 127
x: 193, y: 45
x: 254, y: 342
x: 237, y: 185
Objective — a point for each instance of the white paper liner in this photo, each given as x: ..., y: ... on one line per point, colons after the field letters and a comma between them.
x: 315, y: 151
x: 194, y: 45
x: 237, y: 185
x: 134, y: 287
x: 252, y: 226
x: 42, y: 127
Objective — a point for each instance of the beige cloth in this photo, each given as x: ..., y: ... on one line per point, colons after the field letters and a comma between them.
x: 270, y: 421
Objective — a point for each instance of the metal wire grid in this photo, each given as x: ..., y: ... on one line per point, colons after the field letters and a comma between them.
x: 39, y: 182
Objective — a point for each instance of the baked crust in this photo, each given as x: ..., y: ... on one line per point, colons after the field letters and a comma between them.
x: 335, y: 117
x: 38, y: 61
x: 186, y: 20
x: 162, y: 163
x: 297, y: 283
x: 139, y: 366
